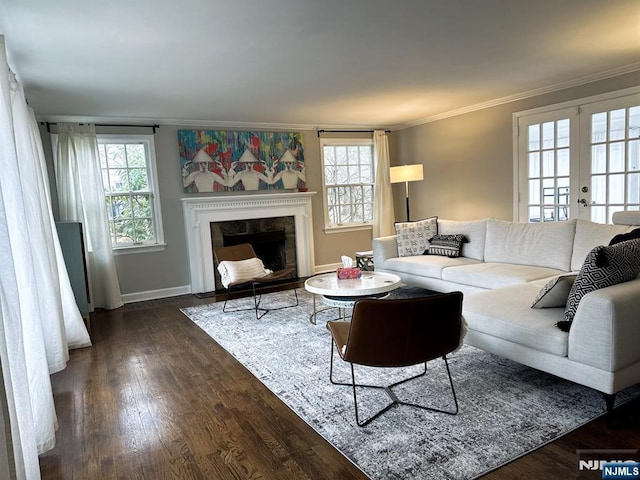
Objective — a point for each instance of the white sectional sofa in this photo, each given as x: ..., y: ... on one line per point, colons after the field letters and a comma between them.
x: 503, y: 267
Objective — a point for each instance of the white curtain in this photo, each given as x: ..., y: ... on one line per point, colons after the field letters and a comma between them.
x: 81, y: 199
x: 39, y: 320
x: 383, y: 214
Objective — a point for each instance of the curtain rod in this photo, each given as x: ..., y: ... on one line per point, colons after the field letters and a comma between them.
x: 348, y: 131
x: 154, y: 127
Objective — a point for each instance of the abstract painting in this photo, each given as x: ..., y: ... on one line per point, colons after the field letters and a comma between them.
x: 223, y: 161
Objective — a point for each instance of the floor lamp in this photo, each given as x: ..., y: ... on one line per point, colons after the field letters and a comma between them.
x: 406, y: 174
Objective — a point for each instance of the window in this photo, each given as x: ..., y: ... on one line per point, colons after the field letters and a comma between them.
x: 348, y: 182
x: 580, y: 159
x: 130, y: 185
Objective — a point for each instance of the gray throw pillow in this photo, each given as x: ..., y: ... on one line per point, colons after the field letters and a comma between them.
x: 555, y: 293
x: 622, y: 264
x: 413, y: 237
x: 446, y: 245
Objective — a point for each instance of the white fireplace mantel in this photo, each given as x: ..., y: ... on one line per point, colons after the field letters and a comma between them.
x: 200, y: 212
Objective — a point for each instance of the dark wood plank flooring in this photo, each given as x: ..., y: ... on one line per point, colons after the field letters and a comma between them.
x: 157, y: 398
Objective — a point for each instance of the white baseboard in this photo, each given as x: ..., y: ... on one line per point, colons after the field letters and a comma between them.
x: 155, y: 294
x: 186, y: 289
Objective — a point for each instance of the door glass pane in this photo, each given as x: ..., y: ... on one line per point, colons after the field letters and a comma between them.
x: 563, y: 133
x: 599, y: 214
x: 563, y: 162
x: 599, y: 127
x: 548, y: 191
x: 534, y: 214
x: 534, y: 137
x: 634, y: 122
x: 548, y: 137
x: 634, y: 155
x: 547, y: 163
x: 616, y: 188
x: 616, y: 124
x: 598, y: 159
x: 549, y: 214
x: 534, y: 164
x: 534, y: 192
x: 599, y: 189
x: 633, y: 195
x: 616, y: 157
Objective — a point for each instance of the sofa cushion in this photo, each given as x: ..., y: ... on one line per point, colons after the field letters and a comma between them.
x: 505, y: 314
x: 413, y: 237
x: 590, y: 235
x: 622, y: 263
x: 555, y: 292
x: 446, y: 245
x: 425, y: 265
x: 474, y: 230
x: 539, y: 244
x: 496, y: 275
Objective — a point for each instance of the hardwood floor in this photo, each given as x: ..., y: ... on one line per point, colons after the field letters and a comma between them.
x: 155, y: 398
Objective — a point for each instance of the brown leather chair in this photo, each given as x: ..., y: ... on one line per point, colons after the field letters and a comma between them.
x: 245, y: 251
x: 398, y: 333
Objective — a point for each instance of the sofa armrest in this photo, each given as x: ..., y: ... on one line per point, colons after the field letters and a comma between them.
x: 383, y: 249
x: 606, y: 327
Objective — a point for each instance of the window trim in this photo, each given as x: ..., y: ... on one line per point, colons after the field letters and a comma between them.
x: 152, y: 171
x: 346, y: 142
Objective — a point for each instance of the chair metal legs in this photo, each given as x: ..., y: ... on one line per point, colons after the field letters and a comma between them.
x: 257, y: 298
x: 388, y: 390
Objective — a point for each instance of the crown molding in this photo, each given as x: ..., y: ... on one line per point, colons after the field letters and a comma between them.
x: 634, y: 67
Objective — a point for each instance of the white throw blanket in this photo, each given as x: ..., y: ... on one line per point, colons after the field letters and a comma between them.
x: 241, y: 270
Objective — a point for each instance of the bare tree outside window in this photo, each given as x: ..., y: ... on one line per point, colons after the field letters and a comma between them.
x: 348, y: 180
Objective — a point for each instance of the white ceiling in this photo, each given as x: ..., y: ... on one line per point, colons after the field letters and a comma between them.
x: 316, y: 63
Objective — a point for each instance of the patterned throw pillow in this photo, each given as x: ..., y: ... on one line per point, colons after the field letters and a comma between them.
x: 622, y: 265
x: 623, y: 237
x: 446, y: 245
x: 413, y: 237
x: 555, y: 293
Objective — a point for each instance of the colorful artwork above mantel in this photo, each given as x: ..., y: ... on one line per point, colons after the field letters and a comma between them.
x: 221, y: 161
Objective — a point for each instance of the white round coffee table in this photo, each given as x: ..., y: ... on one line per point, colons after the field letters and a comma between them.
x: 343, y: 294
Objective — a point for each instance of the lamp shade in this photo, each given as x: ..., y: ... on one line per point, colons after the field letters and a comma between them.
x: 406, y: 173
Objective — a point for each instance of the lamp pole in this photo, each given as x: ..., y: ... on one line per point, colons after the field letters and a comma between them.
x: 406, y: 192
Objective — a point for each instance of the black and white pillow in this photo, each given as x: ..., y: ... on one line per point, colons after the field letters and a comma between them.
x: 622, y: 264
x: 446, y: 245
x: 555, y: 292
x: 413, y: 237
x: 623, y: 237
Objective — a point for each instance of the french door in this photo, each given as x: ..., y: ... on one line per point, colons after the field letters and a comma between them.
x: 579, y: 161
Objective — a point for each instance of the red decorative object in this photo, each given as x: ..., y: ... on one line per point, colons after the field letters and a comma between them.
x: 348, y: 273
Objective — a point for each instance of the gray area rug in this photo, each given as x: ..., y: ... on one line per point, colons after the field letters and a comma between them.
x: 506, y: 409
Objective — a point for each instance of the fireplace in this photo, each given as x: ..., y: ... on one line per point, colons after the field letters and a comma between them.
x: 273, y: 240
x: 201, y: 212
